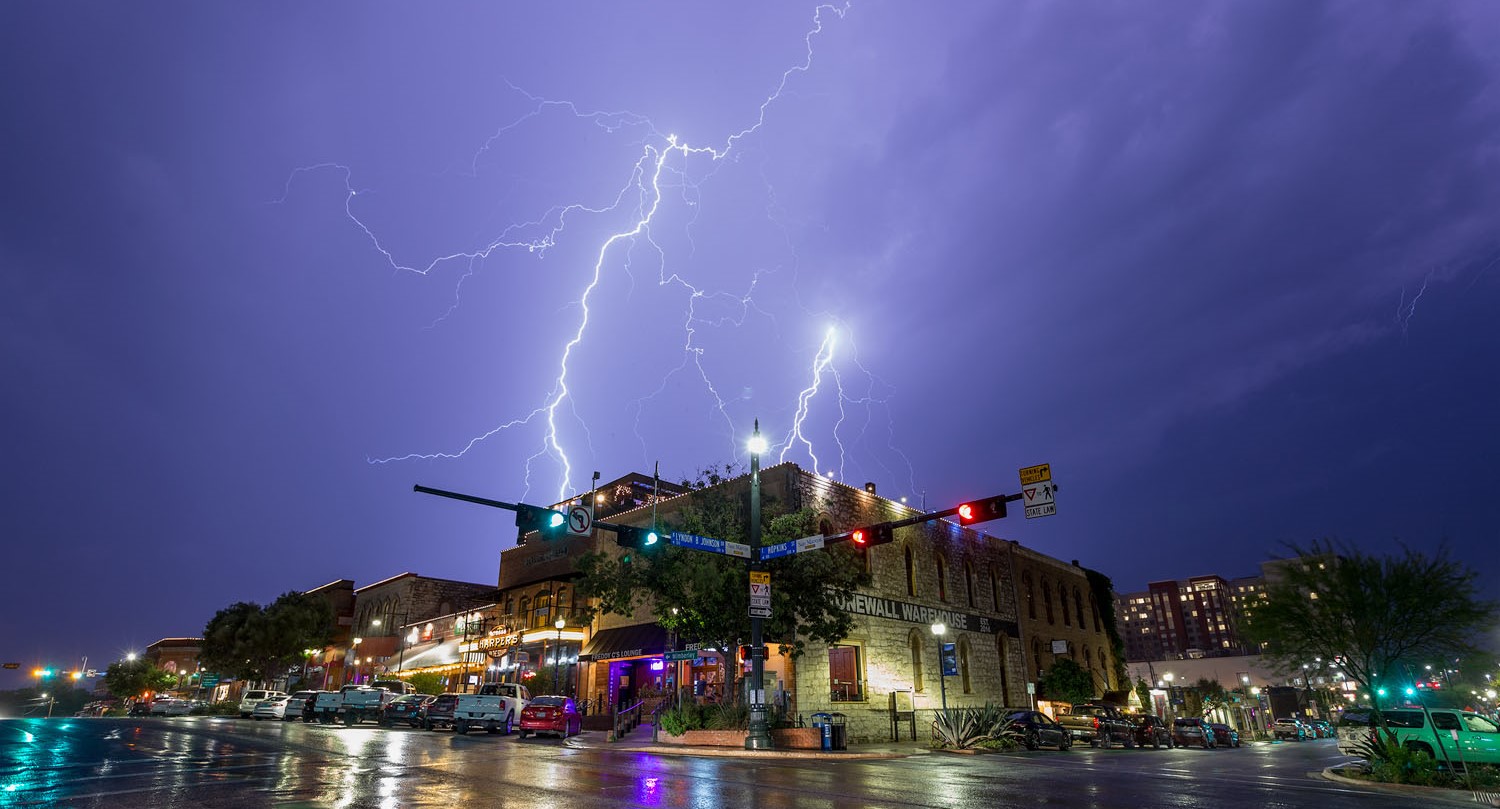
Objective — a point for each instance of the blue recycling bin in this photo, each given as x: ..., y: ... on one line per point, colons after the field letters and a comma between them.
x: 821, y: 721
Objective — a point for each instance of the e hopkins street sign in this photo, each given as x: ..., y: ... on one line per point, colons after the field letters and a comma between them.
x: 875, y: 606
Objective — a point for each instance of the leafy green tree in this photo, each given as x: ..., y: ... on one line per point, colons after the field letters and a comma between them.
x: 1068, y: 682
x: 260, y: 644
x: 131, y: 678
x: 704, y: 597
x: 426, y: 683
x: 1373, y: 615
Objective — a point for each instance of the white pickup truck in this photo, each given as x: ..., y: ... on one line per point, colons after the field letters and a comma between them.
x: 353, y: 704
x: 495, y: 708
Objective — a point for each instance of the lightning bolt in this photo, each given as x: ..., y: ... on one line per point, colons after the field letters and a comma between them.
x: 664, y: 162
x: 1405, y: 310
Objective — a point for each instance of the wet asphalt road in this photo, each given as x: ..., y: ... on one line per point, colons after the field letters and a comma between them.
x: 216, y: 762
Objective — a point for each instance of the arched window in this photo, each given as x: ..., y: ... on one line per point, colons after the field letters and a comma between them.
x: 1036, y: 655
x: 1088, y: 660
x: 969, y: 583
x: 994, y: 588
x: 911, y: 573
x: 1030, y: 595
x: 1062, y: 598
x: 1078, y: 602
x: 541, y: 615
x: 1094, y: 608
x: 963, y: 663
x: 942, y: 576
x: 915, y: 641
x: 1047, y: 599
x: 525, y: 615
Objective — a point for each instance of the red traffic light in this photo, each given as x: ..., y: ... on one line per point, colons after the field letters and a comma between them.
x: 858, y: 536
x: 990, y: 508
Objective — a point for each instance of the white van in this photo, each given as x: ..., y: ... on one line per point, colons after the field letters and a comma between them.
x: 250, y: 698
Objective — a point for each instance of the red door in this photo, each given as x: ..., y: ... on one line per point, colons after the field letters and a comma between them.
x: 843, y: 672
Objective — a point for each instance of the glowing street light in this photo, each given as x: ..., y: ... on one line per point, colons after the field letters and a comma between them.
x: 940, y: 629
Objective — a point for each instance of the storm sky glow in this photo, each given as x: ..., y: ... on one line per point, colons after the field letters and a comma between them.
x: 261, y: 272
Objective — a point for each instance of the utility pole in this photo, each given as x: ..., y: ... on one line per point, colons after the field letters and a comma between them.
x: 759, y: 737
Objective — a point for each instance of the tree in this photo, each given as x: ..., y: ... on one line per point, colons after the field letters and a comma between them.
x: 259, y: 644
x: 131, y: 678
x: 1143, y: 691
x: 1210, y: 696
x: 1373, y: 616
x: 1067, y: 681
x: 704, y: 597
x: 426, y: 683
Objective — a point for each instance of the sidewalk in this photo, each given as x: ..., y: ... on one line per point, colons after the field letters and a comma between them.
x: 639, y: 741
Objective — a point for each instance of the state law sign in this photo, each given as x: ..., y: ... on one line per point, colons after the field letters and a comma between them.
x: 1037, y: 491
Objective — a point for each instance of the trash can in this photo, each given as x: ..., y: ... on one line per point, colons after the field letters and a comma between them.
x: 837, y: 733
x: 820, y: 721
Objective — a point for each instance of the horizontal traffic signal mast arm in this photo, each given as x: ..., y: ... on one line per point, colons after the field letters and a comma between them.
x: 483, y: 501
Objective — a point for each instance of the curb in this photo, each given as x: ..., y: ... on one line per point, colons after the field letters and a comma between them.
x: 734, y: 752
x: 1458, y: 797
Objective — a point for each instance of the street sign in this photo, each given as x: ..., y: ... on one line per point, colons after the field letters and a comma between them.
x: 697, y: 543
x: 580, y: 520
x: 687, y: 654
x: 12, y: 665
x: 208, y: 680
x: 760, y: 594
x: 791, y: 546
x: 1037, y: 491
x: 1036, y: 474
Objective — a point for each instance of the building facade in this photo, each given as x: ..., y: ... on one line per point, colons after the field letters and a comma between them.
x: 1060, y: 618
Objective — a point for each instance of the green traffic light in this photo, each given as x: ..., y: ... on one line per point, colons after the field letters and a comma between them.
x: 1410, y: 691
x: 651, y: 538
x: 1380, y: 692
x: 556, y: 520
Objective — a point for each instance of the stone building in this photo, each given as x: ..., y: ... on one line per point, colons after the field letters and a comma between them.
x: 385, y: 611
x: 1060, y: 618
x: 178, y: 657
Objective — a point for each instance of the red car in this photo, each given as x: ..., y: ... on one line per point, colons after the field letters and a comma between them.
x: 551, y: 715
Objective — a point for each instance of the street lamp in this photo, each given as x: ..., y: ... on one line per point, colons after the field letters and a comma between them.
x: 759, y: 737
x: 939, y: 629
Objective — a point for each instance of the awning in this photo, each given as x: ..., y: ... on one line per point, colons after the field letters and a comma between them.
x: 434, y: 653
x: 380, y: 646
x: 641, y: 640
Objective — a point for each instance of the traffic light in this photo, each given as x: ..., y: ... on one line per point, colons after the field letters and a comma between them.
x: 873, y: 535
x: 990, y: 508
x: 42, y: 673
x: 550, y: 524
x: 633, y: 537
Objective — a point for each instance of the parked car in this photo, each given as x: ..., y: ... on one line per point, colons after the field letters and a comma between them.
x: 1031, y: 729
x: 1151, y: 731
x: 1224, y: 735
x: 300, y: 706
x: 1097, y: 723
x: 439, y: 712
x: 406, y: 709
x: 140, y: 708
x: 1289, y: 729
x: 551, y: 715
x: 167, y: 706
x: 251, y: 698
x: 1191, y: 731
x: 1323, y: 727
x: 270, y: 708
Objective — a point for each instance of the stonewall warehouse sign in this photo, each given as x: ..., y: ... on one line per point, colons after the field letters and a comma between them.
x: 877, y: 607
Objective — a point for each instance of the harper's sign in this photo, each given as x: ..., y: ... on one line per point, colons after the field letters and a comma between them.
x: 877, y: 607
x: 497, y: 642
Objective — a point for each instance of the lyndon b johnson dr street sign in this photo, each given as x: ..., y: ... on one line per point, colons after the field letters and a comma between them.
x: 697, y: 543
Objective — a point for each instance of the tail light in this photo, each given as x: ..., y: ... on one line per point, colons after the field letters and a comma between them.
x: 1096, y: 723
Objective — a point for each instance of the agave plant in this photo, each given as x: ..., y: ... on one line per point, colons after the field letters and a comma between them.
x: 963, y: 728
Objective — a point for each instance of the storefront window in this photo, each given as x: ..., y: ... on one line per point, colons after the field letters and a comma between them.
x: 845, y: 667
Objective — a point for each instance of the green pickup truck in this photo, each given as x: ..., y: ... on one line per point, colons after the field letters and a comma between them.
x: 1453, y: 736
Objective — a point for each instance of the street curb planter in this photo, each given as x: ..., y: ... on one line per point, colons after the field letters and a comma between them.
x: 1425, y: 794
x: 782, y: 738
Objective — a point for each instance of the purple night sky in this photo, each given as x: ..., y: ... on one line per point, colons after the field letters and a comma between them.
x: 1231, y: 268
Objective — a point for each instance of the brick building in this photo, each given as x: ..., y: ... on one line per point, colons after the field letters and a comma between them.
x: 1060, y: 618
